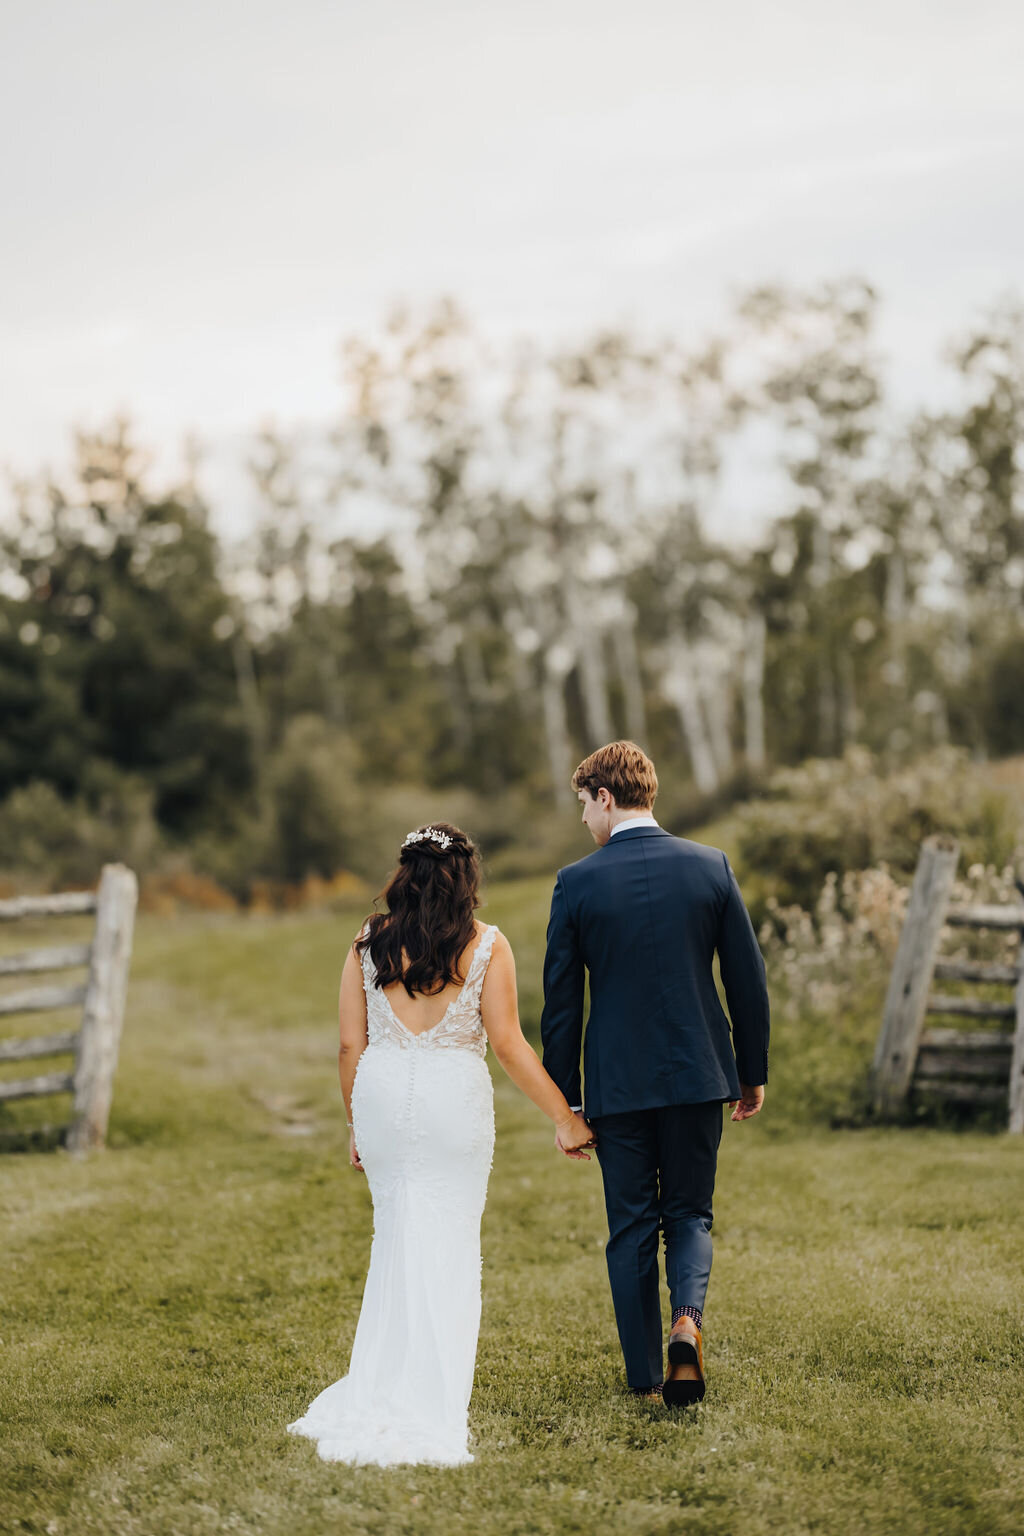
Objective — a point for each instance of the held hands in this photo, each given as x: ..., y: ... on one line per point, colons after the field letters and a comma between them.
x: 749, y: 1102
x: 353, y: 1155
x: 572, y: 1135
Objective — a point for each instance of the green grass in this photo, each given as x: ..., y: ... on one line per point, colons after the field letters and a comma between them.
x: 169, y: 1305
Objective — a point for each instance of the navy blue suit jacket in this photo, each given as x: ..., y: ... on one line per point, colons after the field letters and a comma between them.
x: 644, y: 916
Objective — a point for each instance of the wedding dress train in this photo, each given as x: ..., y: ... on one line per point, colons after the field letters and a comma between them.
x: 423, y: 1113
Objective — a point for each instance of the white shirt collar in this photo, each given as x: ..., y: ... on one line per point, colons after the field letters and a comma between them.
x: 634, y: 821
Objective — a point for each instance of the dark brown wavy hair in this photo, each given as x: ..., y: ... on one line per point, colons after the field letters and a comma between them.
x: 431, y: 898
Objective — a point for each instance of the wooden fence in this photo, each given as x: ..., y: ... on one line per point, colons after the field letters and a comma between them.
x: 94, y: 1045
x: 965, y: 1065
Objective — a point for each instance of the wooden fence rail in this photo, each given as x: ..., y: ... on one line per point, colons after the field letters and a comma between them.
x: 38, y: 1045
x: 101, y: 997
x: 63, y: 957
x: 41, y: 1000
x: 50, y: 906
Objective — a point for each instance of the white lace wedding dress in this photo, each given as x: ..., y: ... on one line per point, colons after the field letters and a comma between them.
x: 423, y: 1113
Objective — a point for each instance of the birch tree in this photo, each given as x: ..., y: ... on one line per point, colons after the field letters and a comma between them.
x: 817, y: 374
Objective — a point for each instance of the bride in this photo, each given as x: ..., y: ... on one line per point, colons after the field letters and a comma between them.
x: 424, y: 988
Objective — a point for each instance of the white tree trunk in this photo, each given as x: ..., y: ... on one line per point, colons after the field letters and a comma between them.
x: 714, y: 688
x: 627, y: 663
x: 753, y: 690
x: 589, y: 646
x: 556, y: 729
x: 681, y: 691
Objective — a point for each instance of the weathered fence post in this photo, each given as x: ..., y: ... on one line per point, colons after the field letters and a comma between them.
x: 907, y: 997
x: 103, y: 1010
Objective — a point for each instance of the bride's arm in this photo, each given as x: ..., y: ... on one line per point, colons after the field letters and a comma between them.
x: 499, y: 1009
x: 352, y: 1038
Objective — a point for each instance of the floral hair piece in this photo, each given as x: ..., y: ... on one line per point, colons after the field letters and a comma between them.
x: 429, y: 834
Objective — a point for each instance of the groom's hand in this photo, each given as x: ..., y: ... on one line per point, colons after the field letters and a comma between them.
x: 749, y: 1102
x: 573, y: 1136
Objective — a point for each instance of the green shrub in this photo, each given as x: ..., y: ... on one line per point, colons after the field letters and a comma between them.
x: 317, y: 804
x: 848, y: 814
x: 1002, y: 697
x: 49, y: 842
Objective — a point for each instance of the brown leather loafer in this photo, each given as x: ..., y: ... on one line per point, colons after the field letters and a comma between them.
x: 684, y: 1380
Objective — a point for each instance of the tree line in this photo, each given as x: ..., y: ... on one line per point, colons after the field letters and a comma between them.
x: 498, y: 557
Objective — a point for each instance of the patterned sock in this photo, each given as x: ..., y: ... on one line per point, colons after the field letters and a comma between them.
x: 694, y: 1312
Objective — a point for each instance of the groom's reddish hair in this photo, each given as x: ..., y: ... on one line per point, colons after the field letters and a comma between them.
x: 624, y: 770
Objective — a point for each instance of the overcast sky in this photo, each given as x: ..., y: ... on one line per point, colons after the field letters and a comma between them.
x: 199, y: 199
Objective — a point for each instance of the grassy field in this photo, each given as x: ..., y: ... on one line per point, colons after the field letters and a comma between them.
x: 170, y: 1305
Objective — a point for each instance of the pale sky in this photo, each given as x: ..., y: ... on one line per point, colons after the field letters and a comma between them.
x: 200, y: 199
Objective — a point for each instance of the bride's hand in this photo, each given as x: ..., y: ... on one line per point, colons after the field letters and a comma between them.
x: 572, y: 1136
x: 353, y: 1155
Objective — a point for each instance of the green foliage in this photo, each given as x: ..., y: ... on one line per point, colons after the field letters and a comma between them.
x: 849, y: 814
x: 550, y: 578
x: 315, y: 801
x: 117, y: 647
x: 69, y: 840
x: 359, y: 660
x: 1002, y: 693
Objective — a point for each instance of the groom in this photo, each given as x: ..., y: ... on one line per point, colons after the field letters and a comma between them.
x: 643, y: 916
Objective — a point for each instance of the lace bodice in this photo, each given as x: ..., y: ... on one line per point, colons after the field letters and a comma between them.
x: 459, y: 1028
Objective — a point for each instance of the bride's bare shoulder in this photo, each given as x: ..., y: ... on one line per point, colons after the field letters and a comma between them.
x: 501, y: 949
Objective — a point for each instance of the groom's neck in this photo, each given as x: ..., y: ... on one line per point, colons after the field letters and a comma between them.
x: 619, y: 818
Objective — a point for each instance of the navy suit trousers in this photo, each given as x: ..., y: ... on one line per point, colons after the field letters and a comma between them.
x: 658, y: 1167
